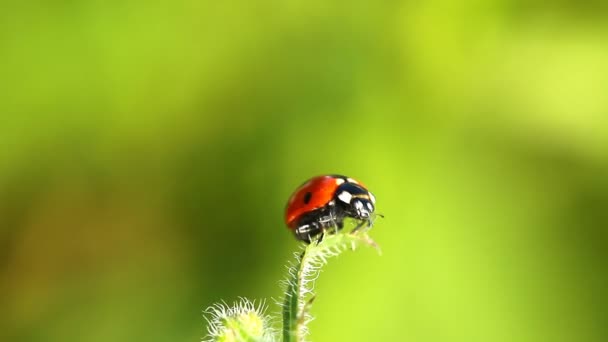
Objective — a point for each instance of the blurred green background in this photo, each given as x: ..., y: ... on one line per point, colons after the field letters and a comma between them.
x: 148, y: 149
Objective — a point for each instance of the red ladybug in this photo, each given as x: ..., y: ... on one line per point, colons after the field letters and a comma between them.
x: 324, y: 202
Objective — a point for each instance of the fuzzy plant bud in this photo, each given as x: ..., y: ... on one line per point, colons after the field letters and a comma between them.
x: 244, y: 321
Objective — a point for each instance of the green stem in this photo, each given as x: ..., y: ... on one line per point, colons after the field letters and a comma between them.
x: 298, y: 294
x: 290, y: 305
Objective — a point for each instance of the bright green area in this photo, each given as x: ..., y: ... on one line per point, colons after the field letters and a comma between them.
x: 147, y: 149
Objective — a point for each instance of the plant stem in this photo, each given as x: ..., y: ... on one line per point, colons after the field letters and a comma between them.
x: 290, y: 306
x: 299, y: 294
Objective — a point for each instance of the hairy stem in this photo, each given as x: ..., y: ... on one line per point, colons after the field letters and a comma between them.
x: 302, y: 274
x: 290, y: 306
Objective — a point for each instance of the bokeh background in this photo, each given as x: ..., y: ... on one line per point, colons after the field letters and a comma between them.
x: 147, y: 150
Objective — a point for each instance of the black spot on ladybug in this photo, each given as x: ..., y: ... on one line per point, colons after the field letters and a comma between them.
x: 307, y: 197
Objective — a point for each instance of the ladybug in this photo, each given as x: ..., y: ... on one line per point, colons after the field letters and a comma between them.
x: 324, y: 202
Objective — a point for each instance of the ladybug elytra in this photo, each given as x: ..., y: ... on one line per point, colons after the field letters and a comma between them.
x: 323, y: 202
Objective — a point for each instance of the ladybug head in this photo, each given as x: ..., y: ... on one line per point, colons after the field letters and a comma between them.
x: 356, y: 200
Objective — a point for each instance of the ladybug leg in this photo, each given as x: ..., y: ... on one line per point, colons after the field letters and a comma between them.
x: 339, y: 225
x: 307, y: 232
x: 337, y: 221
x: 361, y: 224
x: 321, y: 236
x: 332, y: 228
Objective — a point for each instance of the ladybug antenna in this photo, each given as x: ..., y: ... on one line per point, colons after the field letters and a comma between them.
x: 373, y: 218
